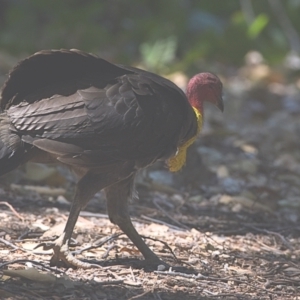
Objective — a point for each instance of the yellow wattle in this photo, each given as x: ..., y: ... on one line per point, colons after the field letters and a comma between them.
x: 176, y: 162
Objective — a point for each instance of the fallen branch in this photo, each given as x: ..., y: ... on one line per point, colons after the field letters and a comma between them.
x: 13, y: 210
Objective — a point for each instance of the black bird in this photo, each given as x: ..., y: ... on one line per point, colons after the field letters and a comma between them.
x: 105, y: 122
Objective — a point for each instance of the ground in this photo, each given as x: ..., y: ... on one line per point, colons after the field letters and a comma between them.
x: 230, y: 219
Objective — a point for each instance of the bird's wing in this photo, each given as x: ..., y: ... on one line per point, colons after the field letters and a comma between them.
x: 131, y: 118
x: 93, y: 109
x: 50, y: 72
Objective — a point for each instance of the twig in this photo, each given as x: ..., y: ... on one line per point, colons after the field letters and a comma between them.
x: 169, y: 216
x: 109, y: 248
x: 132, y: 275
x: 24, y: 234
x: 282, y: 238
x: 158, y: 296
x: 90, y: 214
x: 98, y: 243
x: 117, y: 281
x: 165, y: 244
x: 50, y: 239
x: 171, y: 273
x: 116, y: 276
x: 211, y: 294
x: 161, y: 222
x: 13, y: 210
x: 199, y: 276
x: 139, y: 296
x: 23, y: 261
x: 7, y: 243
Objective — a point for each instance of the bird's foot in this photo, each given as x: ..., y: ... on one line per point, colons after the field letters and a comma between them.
x: 62, y: 256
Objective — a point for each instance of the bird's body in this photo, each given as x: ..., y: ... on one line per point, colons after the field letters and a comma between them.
x: 95, y: 121
x: 102, y: 120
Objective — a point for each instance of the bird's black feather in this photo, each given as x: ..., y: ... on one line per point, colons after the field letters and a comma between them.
x: 120, y: 112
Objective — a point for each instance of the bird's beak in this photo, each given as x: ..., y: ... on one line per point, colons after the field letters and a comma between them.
x: 220, y: 104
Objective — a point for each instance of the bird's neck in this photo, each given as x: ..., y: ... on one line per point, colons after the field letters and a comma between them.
x: 194, y: 96
x: 199, y: 116
x: 176, y: 162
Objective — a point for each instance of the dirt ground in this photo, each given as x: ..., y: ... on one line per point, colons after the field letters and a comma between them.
x: 230, y: 219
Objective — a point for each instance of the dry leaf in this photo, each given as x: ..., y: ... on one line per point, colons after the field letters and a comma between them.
x: 31, y: 274
x: 131, y: 251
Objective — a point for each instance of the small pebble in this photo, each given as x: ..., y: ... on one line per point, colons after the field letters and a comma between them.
x: 161, y: 268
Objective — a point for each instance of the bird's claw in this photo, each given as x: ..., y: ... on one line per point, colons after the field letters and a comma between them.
x: 62, y: 256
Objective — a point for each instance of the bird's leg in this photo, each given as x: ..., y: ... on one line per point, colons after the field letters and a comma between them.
x: 117, y: 196
x: 86, y: 188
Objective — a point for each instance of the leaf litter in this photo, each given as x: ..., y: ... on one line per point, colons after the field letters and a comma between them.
x: 230, y: 219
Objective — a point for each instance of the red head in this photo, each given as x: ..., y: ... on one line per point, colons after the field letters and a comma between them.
x: 205, y: 87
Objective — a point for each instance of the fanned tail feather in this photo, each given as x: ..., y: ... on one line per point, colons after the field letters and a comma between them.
x: 11, y: 150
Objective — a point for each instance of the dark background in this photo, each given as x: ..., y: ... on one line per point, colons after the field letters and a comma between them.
x: 163, y: 35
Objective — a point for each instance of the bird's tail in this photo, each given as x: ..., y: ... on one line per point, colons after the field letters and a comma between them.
x: 11, y: 148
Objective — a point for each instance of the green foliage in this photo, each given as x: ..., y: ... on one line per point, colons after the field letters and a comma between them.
x: 163, y: 35
x: 257, y: 26
x: 158, y: 55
